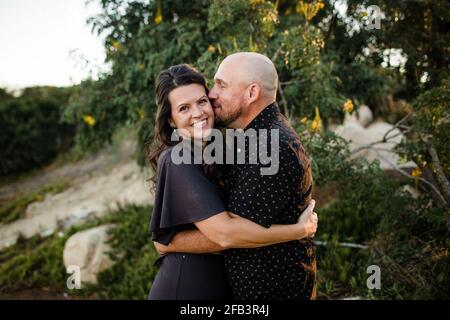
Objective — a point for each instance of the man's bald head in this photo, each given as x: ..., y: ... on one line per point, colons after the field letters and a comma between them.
x: 253, y: 67
x: 244, y: 84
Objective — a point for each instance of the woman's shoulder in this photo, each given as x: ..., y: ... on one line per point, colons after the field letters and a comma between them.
x: 172, y: 158
x: 165, y: 155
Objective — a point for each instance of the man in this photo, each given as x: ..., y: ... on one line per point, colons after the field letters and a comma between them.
x: 244, y: 97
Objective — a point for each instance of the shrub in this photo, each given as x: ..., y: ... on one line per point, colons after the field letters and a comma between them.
x: 30, y: 130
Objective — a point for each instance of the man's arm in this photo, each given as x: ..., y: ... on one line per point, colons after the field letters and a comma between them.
x: 192, y: 241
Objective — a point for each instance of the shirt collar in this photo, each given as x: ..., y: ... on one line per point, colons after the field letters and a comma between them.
x: 266, y: 116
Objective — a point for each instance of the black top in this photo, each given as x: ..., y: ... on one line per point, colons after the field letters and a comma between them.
x: 282, y: 271
x: 184, y: 195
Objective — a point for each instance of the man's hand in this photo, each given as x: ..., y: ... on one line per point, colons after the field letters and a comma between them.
x: 160, y: 247
x: 308, y: 220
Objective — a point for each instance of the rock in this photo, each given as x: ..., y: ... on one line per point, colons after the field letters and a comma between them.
x: 87, y: 250
x: 91, y: 197
x: 362, y: 116
x: 358, y: 136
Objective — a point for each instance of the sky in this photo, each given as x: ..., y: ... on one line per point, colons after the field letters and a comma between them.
x: 45, y: 42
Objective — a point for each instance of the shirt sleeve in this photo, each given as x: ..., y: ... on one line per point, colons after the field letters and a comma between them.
x: 184, y: 195
x: 261, y: 198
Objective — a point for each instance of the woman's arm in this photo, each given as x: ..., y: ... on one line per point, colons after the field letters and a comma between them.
x: 192, y: 241
x: 226, y: 230
x: 231, y: 231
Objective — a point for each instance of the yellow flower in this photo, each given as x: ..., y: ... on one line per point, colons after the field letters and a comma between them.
x: 90, y: 120
x: 158, y: 16
x: 416, y: 172
x: 309, y: 10
x: 316, y: 125
x: 158, y: 19
x: 303, y: 120
x: 348, y: 106
x: 140, y: 112
x: 117, y: 45
x: 211, y: 48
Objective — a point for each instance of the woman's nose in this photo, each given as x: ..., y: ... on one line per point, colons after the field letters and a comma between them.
x: 197, y: 111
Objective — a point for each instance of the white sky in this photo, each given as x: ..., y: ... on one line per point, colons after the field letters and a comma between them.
x: 36, y: 38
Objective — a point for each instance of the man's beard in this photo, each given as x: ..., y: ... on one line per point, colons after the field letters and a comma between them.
x: 225, y: 120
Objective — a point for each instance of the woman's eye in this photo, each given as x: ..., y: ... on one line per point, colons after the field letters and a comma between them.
x: 183, y: 108
x: 203, y: 101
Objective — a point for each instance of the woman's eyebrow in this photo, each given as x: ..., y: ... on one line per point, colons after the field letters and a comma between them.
x: 188, y: 103
x: 182, y: 104
x: 202, y: 97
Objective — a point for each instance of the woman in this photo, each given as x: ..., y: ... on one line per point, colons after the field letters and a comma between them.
x: 186, y: 198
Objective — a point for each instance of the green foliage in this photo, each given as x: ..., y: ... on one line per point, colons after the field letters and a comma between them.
x: 5, y: 95
x: 132, y: 251
x: 38, y: 262
x: 430, y: 127
x: 406, y: 237
x: 144, y: 38
x: 412, y: 251
x: 30, y: 132
x: 341, y: 271
x: 322, y: 59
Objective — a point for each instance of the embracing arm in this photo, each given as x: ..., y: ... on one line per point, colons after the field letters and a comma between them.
x: 192, y: 241
x: 225, y: 230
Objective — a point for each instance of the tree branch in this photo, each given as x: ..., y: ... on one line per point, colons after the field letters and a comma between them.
x: 439, y: 172
x: 406, y: 174
x: 283, y: 101
x: 385, y: 136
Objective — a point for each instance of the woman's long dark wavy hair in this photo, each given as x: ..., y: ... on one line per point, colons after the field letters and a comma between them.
x: 168, y: 80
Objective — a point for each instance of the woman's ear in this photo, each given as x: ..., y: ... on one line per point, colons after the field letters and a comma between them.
x: 172, y: 124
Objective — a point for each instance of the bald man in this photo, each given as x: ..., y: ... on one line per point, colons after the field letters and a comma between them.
x: 244, y: 97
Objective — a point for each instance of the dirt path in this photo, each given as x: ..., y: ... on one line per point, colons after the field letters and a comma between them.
x: 103, y: 160
x: 98, y: 185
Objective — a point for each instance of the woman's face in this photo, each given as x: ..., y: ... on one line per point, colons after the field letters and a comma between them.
x: 191, y: 111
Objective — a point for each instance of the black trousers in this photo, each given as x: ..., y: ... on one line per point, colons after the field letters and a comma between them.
x: 186, y: 276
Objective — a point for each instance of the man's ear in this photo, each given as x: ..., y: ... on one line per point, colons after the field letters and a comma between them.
x: 254, y: 92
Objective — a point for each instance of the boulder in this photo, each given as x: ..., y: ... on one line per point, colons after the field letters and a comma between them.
x: 358, y: 136
x: 362, y: 116
x: 88, y: 250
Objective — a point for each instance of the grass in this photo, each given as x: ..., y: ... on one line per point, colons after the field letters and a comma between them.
x: 15, y: 208
x: 38, y: 262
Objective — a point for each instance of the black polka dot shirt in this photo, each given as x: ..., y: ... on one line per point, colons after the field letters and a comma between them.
x: 281, y: 271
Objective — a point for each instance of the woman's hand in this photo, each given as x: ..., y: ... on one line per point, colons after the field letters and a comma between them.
x: 308, y: 221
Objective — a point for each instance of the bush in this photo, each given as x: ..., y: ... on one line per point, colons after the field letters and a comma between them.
x: 37, y: 262
x: 30, y: 132
x: 406, y: 237
x: 132, y: 274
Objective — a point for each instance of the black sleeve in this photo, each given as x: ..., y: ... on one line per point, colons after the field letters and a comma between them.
x: 184, y: 195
